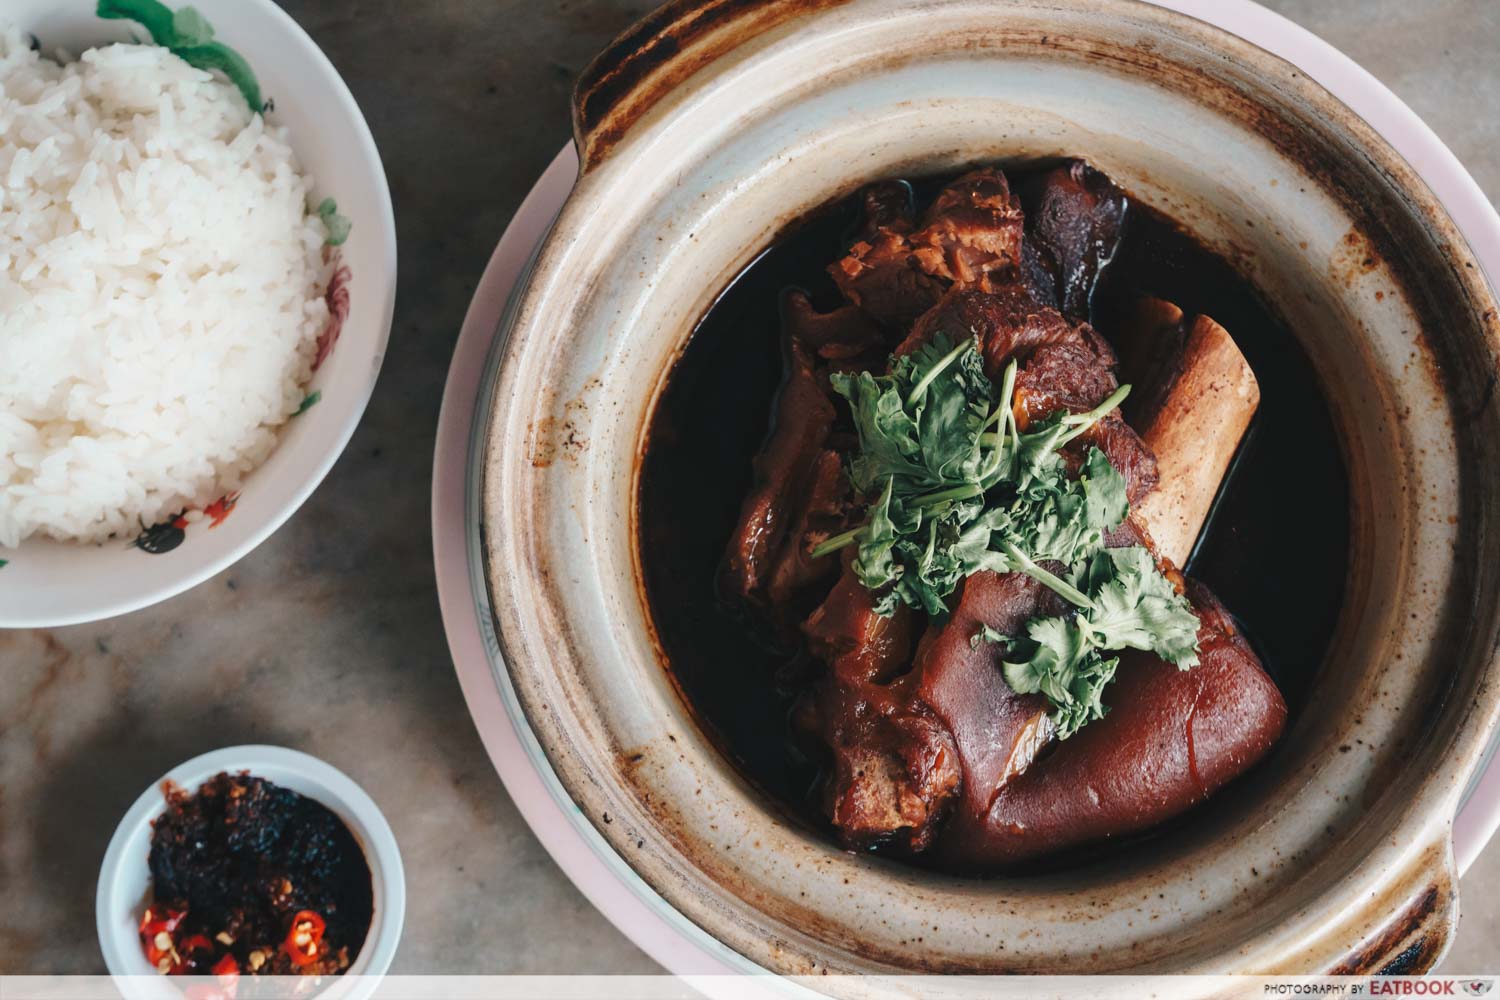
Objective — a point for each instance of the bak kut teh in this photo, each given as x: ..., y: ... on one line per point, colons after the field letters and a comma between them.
x: 958, y: 519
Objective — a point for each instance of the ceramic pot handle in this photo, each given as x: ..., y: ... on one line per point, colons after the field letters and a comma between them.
x: 657, y: 53
x: 1414, y: 920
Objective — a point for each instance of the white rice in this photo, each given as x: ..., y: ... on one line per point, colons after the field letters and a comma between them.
x: 161, y: 289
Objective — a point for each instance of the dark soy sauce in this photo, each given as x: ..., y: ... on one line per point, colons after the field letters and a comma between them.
x: 1274, y: 550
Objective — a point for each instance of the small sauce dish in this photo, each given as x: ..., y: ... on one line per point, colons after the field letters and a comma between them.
x: 125, y: 888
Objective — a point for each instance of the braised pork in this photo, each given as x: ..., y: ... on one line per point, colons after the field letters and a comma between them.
x: 894, y: 765
x: 1074, y: 220
x: 783, y: 471
x: 1171, y: 739
x: 928, y: 746
x: 895, y: 272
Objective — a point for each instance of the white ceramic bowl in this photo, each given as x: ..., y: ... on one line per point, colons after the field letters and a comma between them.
x: 45, y: 582
x: 125, y: 880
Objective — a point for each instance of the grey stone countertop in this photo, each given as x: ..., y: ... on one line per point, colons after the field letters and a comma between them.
x: 327, y: 638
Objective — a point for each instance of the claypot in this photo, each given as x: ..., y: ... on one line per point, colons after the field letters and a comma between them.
x: 710, y: 126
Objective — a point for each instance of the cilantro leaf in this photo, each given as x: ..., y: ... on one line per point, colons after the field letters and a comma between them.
x: 1131, y: 605
x: 887, y: 433
x: 1138, y: 608
x: 1086, y: 692
x: 1064, y: 668
x: 1104, y: 492
x: 953, y: 402
x: 961, y: 488
x: 1057, y: 650
x: 921, y: 423
x: 957, y: 488
x: 987, y: 634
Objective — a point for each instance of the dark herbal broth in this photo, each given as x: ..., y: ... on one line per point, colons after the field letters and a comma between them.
x: 1281, y: 576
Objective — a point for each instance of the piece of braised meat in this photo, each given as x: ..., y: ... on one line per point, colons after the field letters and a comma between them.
x: 1171, y: 739
x: 970, y: 233
x: 1009, y: 322
x: 997, y: 731
x: 783, y: 471
x: 1075, y: 217
x: 894, y: 765
x: 797, y: 579
x: 881, y: 276
x: 800, y: 494
x: 843, y: 335
x: 1072, y: 377
x: 885, y: 205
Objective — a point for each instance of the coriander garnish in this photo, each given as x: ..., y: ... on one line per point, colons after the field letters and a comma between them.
x: 960, y: 488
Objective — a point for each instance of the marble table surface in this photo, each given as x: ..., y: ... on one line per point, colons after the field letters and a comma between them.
x: 327, y: 638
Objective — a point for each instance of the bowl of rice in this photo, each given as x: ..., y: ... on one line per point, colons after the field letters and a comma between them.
x: 197, y: 277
